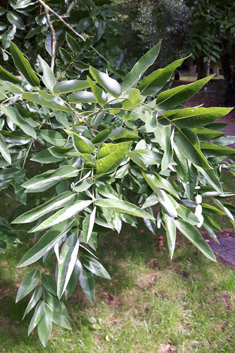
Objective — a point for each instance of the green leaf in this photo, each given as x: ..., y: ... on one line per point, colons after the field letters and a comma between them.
x: 102, y: 136
x: 45, y: 243
x: 8, y: 36
x: 15, y: 19
x: 44, y: 181
x: 211, y: 150
x: 15, y: 117
x: 48, y: 76
x: 171, y: 234
x: 82, y: 97
x: 28, y: 284
x: 157, y: 79
x: 59, y: 201
x: 64, y: 87
x: 53, y: 137
x: 73, y: 43
x: 196, y: 117
x: 110, y: 162
x: 46, y: 100
x: 173, y: 97
x: 136, y: 159
x: 66, y: 263
x: 58, y: 319
x: 122, y: 133
x: 106, y: 82
x: 38, y: 313
x: 193, y: 235
x: 156, y: 182
x: 56, y: 304
x: 87, y: 282
x: 45, y: 328
x: 94, y: 266
x: 49, y: 283
x: 4, y: 150
x: 99, y: 94
x: 45, y: 157
x: 23, y: 66
x: 209, y: 209
x: 64, y: 214
x: 82, y: 144
x: 7, y: 76
x: 188, y: 144
x: 123, y: 207
x: 87, y: 225
x: 33, y: 301
x: 73, y: 281
x: 187, y: 215
x: 83, y: 24
x: 140, y: 67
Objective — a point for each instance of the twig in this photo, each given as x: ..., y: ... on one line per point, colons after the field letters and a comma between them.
x: 70, y: 27
x: 54, y: 39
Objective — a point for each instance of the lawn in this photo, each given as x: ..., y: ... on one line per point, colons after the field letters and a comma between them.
x: 150, y: 305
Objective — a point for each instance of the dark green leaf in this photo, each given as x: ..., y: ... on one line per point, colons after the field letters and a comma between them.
x: 28, y: 284
x: 23, y: 66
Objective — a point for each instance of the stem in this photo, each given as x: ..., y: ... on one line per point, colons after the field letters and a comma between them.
x: 54, y: 39
x: 27, y: 152
x: 70, y: 27
x: 61, y: 19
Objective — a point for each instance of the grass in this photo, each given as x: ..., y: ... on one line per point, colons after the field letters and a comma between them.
x: 150, y: 303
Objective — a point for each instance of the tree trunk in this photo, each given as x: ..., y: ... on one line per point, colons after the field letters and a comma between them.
x: 203, y: 68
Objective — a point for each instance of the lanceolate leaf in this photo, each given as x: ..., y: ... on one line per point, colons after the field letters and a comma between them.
x: 57, y: 202
x: 102, y: 136
x: 94, y: 266
x: 87, y: 282
x: 46, y: 242
x: 4, y: 150
x: 188, y: 144
x: 28, y: 284
x: 99, y: 94
x: 46, y: 100
x: 64, y: 214
x: 155, y: 181
x: 87, y: 225
x: 140, y: 67
x: 173, y: 97
x: 171, y: 234
x: 44, y: 181
x: 53, y: 137
x: 82, y: 97
x: 48, y: 76
x: 106, y: 82
x: 196, y: 117
x: 192, y: 234
x: 45, y: 328
x: 112, y: 161
x: 15, y: 117
x: 123, y: 207
x: 7, y: 76
x: 67, y: 261
x: 23, y: 66
x: 33, y: 301
x: 64, y: 87
x: 157, y: 79
x: 38, y: 313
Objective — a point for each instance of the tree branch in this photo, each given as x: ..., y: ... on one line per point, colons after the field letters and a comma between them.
x: 70, y: 27
x: 54, y: 39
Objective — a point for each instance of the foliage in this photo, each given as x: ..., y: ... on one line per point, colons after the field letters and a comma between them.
x: 31, y: 24
x: 108, y: 153
x: 148, y: 22
x: 213, y: 22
